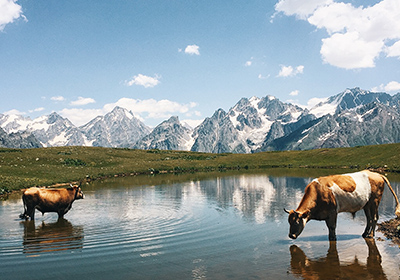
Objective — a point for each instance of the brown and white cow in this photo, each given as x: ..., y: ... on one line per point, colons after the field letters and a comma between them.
x: 325, y: 197
x: 49, y: 200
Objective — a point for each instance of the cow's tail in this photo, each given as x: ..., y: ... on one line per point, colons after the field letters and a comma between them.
x: 25, y: 214
x: 397, y: 211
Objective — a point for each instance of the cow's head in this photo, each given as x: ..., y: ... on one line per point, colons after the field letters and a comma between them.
x: 78, y: 192
x: 297, y: 222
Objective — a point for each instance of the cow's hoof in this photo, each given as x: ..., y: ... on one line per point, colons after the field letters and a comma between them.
x: 367, y: 236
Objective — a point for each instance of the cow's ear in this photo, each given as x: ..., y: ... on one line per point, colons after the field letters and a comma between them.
x: 305, y: 214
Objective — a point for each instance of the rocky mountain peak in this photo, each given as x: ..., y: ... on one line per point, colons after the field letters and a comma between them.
x: 168, y: 135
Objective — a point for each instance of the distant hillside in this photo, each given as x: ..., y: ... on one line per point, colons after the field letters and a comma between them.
x: 20, y: 168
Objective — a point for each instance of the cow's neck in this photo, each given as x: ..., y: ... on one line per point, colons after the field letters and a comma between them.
x: 72, y: 194
x: 308, y: 200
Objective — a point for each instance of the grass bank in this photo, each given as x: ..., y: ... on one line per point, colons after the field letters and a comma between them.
x: 21, y: 168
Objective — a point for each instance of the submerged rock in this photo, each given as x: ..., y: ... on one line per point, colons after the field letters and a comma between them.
x: 391, y: 230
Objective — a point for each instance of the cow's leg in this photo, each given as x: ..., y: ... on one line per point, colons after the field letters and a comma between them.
x: 61, y: 213
x: 369, y: 216
x: 31, y: 213
x: 25, y: 214
x: 374, y: 216
x: 331, y: 224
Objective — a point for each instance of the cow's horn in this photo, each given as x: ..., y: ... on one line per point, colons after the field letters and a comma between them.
x: 284, y: 209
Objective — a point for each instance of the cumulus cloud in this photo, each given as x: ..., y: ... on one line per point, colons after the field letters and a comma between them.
x: 290, y: 71
x: 315, y: 101
x: 142, y: 109
x: 79, y: 116
x: 192, y: 50
x: 57, y: 98
x: 142, y: 80
x: 192, y: 123
x: 392, y: 86
x: 81, y: 101
x: 151, y: 108
x: 294, y: 93
x: 9, y: 11
x: 14, y: 112
x: 299, y: 8
x: 262, y: 77
x: 357, y: 36
x: 40, y: 109
x: 349, y: 51
x: 394, y: 50
x: 248, y: 63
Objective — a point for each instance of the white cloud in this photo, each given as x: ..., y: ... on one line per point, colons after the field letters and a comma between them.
x: 192, y: 49
x: 57, y: 98
x: 142, y: 109
x: 151, y: 108
x: 81, y: 116
x: 81, y: 101
x: 294, y: 93
x: 289, y: 71
x: 142, y: 80
x: 299, y: 8
x: 14, y: 112
x: 357, y: 35
x: 9, y: 11
x: 394, y: 50
x: 248, y: 63
x: 349, y: 51
x: 261, y: 77
x: 315, y: 101
x: 192, y: 123
x: 40, y: 109
x: 392, y: 86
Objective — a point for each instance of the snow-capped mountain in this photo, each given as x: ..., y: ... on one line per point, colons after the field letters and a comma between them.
x: 349, y: 99
x: 18, y: 140
x: 169, y: 135
x: 350, y: 118
x: 119, y: 128
x: 217, y: 135
x: 14, y: 123
x: 246, y: 125
x: 51, y: 130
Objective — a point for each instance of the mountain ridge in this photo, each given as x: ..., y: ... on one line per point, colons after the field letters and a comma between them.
x: 350, y: 118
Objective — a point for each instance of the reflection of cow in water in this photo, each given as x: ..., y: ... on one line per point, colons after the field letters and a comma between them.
x: 330, y: 267
x: 49, y: 237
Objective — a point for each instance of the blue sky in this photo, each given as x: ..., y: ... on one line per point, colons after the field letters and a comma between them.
x: 81, y: 58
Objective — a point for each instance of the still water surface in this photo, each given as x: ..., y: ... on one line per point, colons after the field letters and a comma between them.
x: 225, y: 227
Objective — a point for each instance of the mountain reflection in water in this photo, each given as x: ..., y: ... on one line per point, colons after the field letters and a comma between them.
x: 228, y: 226
x: 50, y: 237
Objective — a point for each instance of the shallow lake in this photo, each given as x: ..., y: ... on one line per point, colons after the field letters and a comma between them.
x: 229, y: 226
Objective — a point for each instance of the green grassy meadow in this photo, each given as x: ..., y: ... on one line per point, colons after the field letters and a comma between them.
x: 22, y: 168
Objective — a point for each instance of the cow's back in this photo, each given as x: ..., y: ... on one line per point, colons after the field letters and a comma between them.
x: 351, y: 191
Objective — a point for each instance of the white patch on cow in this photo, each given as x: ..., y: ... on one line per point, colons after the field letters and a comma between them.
x: 356, y: 200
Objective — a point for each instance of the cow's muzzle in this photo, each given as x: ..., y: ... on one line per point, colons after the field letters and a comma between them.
x: 292, y: 235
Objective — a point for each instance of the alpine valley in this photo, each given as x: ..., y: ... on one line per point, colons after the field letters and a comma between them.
x: 354, y: 117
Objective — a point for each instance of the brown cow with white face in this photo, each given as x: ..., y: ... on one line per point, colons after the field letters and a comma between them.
x: 325, y: 197
x: 49, y: 200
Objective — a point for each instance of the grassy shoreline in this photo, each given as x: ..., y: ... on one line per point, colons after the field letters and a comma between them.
x: 22, y: 168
